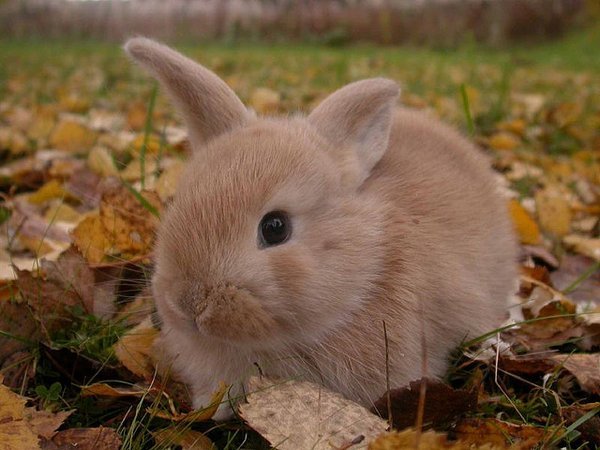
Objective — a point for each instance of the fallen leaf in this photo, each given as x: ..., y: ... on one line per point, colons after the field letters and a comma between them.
x: 502, y: 434
x: 585, y: 367
x: 199, y: 415
x: 105, y: 390
x: 442, y: 404
x: 526, y: 227
x: 90, y: 238
x: 584, y: 245
x: 186, y: 438
x: 88, y: 439
x: 72, y: 136
x: 427, y: 440
x: 134, y: 349
x: 265, y: 100
x: 590, y: 429
x: 166, y: 184
x: 51, y: 190
x: 101, y: 163
x: 553, y: 210
x: 504, y: 141
x: 128, y: 224
x: 302, y: 415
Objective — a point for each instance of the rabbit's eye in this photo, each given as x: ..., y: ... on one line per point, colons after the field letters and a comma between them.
x: 275, y: 228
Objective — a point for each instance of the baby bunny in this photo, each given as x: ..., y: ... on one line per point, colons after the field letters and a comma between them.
x: 291, y: 241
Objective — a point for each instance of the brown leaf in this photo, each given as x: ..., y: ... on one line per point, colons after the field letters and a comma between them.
x: 590, y: 429
x: 428, y: 440
x: 499, y: 433
x: 45, y: 423
x: 128, y: 225
x: 585, y: 367
x: 72, y: 136
x: 89, y: 237
x: 442, y: 403
x: 15, y: 320
x: 553, y: 210
x: 88, y: 439
x: 105, y: 390
x: 186, y: 438
x: 135, y: 349
x: 200, y: 415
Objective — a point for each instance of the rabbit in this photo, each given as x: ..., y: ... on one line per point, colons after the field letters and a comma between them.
x: 290, y: 241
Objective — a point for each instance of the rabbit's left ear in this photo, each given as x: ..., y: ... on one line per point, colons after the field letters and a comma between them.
x: 208, y: 105
x: 357, y: 120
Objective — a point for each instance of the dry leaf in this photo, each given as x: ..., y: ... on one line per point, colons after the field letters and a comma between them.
x: 553, y: 210
x: 20, y: 427
x: 584, y: 245
x: 51, y: 190
x: 428, y: 440
x: 105, y: 390
x: 90, y: 238
x: 128, y: 225
x: 72, y: 136
x: 526, y: 227
x: 302, y: 415
x: 585, y: 367
x: 166, y: 184
x: 265, y: 100
x: 504, y: 141
x: 134, y: 349
x: 88, y: 439
x: 442, y: 404
x: 186, y: 438
x: 101, y: 163
x: 501, y: 434
x: 199, y: 415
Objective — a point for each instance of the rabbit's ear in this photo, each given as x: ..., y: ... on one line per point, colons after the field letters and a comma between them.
x: 357, y: 118
x: 208, y: 105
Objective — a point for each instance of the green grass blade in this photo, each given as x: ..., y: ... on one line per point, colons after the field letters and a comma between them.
x: 467, y: 109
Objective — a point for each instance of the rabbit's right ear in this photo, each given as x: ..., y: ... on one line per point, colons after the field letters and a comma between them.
x: 208, y: 105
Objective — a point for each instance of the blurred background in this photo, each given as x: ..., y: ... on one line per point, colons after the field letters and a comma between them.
x: 435, y: 22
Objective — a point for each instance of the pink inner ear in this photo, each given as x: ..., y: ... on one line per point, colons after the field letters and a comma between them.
x: 358, y: 118
x: 209, y: 107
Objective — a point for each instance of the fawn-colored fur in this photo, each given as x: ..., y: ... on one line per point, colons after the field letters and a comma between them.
x: 395, y: 216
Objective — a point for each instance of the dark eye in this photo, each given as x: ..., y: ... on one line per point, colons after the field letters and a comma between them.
x: 275, y: 228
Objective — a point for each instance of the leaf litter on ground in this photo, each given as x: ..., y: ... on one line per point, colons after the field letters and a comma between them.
x: 90, y: 157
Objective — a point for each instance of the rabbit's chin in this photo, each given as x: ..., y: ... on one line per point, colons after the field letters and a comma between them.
x: 234, y: 315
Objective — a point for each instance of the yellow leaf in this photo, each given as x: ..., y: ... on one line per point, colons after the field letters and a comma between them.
x: 166, y: 184
x: 152, y: 143
x: 100, y: 162
x: 427, y: 440
x: 526, y: 228
x: 516, y: 126
x: 554, y: 213
x: 72, y: 136
x: 129, y: 226
x: 187, y: 439
x: 37, y: 246
x: 51, y: 190
x: 265, y: 100
x: 61, y: 212
x: 133, y: 171
x: 134, y: 349
x: 90, y: 238
x: 199, y: 415
x: 503, y: 141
